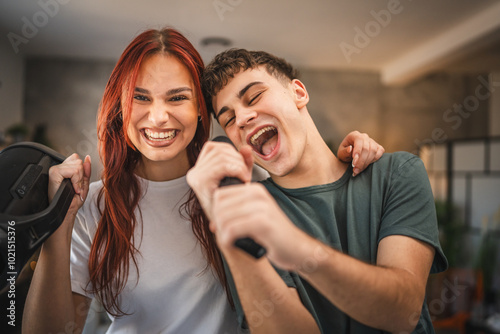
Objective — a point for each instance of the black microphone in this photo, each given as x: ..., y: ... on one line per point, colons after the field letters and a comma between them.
x: 247, y: 244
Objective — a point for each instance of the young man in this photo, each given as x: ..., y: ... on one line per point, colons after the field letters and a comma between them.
x: 357, y: 251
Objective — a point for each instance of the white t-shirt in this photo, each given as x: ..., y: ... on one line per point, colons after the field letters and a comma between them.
x: 173, y: 293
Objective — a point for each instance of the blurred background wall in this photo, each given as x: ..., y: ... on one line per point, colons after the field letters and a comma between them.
x: 62, y: 96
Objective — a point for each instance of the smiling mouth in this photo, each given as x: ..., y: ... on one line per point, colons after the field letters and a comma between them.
x: 160, y: 136
x: 265, y: 140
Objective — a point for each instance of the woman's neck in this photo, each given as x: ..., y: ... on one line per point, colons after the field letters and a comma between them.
x: 162, y: 170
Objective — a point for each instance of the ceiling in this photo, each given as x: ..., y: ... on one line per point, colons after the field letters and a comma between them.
x: 401, y: 39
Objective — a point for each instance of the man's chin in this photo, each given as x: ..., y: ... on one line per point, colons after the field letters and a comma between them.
x: 271, y: 167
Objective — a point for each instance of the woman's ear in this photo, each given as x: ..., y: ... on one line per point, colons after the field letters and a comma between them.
x: 300, y: 91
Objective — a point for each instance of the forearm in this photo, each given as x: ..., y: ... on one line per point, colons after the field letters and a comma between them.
x: 49, y: 304
x: 386, y: 298
x: 270, y: 306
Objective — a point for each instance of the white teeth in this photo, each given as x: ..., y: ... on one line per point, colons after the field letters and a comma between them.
x: 259, y: 133
x: 160, y: 135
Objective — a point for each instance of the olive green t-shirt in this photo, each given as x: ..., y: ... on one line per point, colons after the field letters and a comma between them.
x: 353, y: 214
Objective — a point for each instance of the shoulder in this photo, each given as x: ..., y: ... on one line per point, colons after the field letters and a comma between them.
x: 397, y: 159
x: 399, y: 164
x: 89, y: 214
x: 95, y: 187
x: 94, y: 190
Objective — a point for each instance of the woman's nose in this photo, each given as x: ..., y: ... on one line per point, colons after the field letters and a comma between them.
x: 158, y: 114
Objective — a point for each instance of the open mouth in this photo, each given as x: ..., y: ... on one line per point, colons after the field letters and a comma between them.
x: 265, y: 140
x: 159, y: 135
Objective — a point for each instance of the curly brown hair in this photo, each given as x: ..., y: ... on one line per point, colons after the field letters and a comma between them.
x: 230, y: 62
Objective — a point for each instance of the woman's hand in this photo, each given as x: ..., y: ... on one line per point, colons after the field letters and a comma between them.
x: 78, y: 172
x: 360, y: 149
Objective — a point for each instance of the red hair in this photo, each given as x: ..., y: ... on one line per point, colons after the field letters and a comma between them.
x: 113, y: 244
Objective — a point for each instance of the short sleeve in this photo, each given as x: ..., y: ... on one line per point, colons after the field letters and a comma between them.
x: 409, y: 207
x: 80, y: 250
x: 81, y: 241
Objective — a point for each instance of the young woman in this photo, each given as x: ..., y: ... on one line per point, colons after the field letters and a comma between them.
x: 138, y: 240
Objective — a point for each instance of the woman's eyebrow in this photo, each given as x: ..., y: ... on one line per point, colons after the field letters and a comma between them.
x: 172, y: 91
x: 141, y: 90
x: 178, y: 90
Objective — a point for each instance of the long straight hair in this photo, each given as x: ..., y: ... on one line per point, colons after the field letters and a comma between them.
x: 113, y: 246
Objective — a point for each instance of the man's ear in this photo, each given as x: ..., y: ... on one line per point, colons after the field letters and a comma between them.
x: 300, y: 91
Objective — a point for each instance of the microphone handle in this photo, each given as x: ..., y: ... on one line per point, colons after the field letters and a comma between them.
x: 246, y: 244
